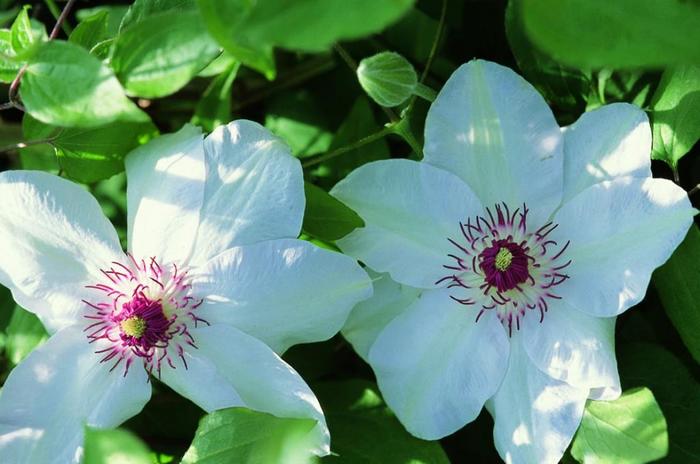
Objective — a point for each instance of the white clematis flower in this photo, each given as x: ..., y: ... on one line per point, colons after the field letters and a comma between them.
x: 510, y: 249
x: 214, y: 287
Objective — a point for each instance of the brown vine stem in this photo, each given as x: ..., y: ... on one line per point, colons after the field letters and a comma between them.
x: 14, y: 86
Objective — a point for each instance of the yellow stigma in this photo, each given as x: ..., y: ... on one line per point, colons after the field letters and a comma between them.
x: 503, y: 259
x: 133, y: 326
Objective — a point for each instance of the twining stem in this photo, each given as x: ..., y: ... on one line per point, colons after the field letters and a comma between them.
x: 388, y: 129
x: 694, y: 190
x: 56, y: 12
x: 14, y: 86
x: 29, y: 143
x: 436, y: 42
x: 425, y: 92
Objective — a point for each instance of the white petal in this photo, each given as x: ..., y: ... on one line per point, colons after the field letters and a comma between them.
x: 410, y: 209
x: 492, y: 129
x: 164, y: 192
x: 535, y: 415
x: 620, y: 231
x: 283, y: 292
x: 253, y: 375
x: 56, y: 391
x: 53, y: 241
x: 254, y: 190
x: 368, y: 318
x: 436, y: 367
x: 612, y: 141
x: 572, y: 346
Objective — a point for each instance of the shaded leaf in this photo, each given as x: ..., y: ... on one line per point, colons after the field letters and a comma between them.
x: 91, y: 30
x: 114, y: 447
x: 326, y: 217
x: 678, y: 285
x: 24, y: 333
x: 214, y: 108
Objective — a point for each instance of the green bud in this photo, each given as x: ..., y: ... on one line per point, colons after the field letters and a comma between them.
x: 388, y: 78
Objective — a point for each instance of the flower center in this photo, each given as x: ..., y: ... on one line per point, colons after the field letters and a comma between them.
x: 503, y: 259
x: 143, y: 311
x: 503, y: 265
x: 133, y: 327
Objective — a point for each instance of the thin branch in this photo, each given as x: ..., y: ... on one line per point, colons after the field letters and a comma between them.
x: 339, y: 151
x: 56, y: 12
x: 436, y: 42
x: 694, y: 190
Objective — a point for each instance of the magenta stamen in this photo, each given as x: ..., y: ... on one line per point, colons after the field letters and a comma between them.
x: 512, y: 269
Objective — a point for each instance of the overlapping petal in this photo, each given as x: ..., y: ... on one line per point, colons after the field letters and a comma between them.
x: 240, y: 370
x: 61, y: 387
x: 283, y: 292
x: 165, y: 191
x: 54, y: 241
x: 254, y: 190
x: 620, y: 231
x: 368, y: 318
x: 572, y: 346
x: 495, y: 131
x: 436, y: 366
x: 606, y: 143
x: 410, y: 209
x: 535, y: 415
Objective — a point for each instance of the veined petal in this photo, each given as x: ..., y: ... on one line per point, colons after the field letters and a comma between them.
x: 56, y: 391
x: 54, y: 241
x: 535, y: 415
x: 436, y: 366
x: 254, y: 190
x: 243, y: 371
x: 283, y: 292
x: 496, y: 132
x: 410, y: 210
x: 368, y: 318
x: 609, y: 142
x: 573, y: 347
x: 165, y: 191
x: 620, y: 231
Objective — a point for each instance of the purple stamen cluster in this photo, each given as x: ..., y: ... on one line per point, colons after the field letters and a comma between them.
x: 504, y: 266
x: 145, y: 311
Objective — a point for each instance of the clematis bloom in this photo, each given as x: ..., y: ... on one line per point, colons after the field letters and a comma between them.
x: 508, y: 252
x: 214, y: 287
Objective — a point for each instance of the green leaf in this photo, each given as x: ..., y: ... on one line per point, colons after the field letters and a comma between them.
x: 676, y: 113
x: 249, y: 30
x: 629, y: 430
x: 249, y: 437
x: 26, y: 35
x: 388, y: 78
x: 616, y: 34
x: 678, y: 285
x: 365, y: 431
x: 675, y: 389
x: 299, y: 120
x: 24, y: 333
x: 142, y: 9
x: 326, y: 217
x: 113, y: 447
x: 91, y: 30
x: 159, y: 54
x: 66, y: 86
x: 566, y: 87
x: 214, y: 108
x: 115, y: 14
x: 96, y: 153
x: 9, y: 66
